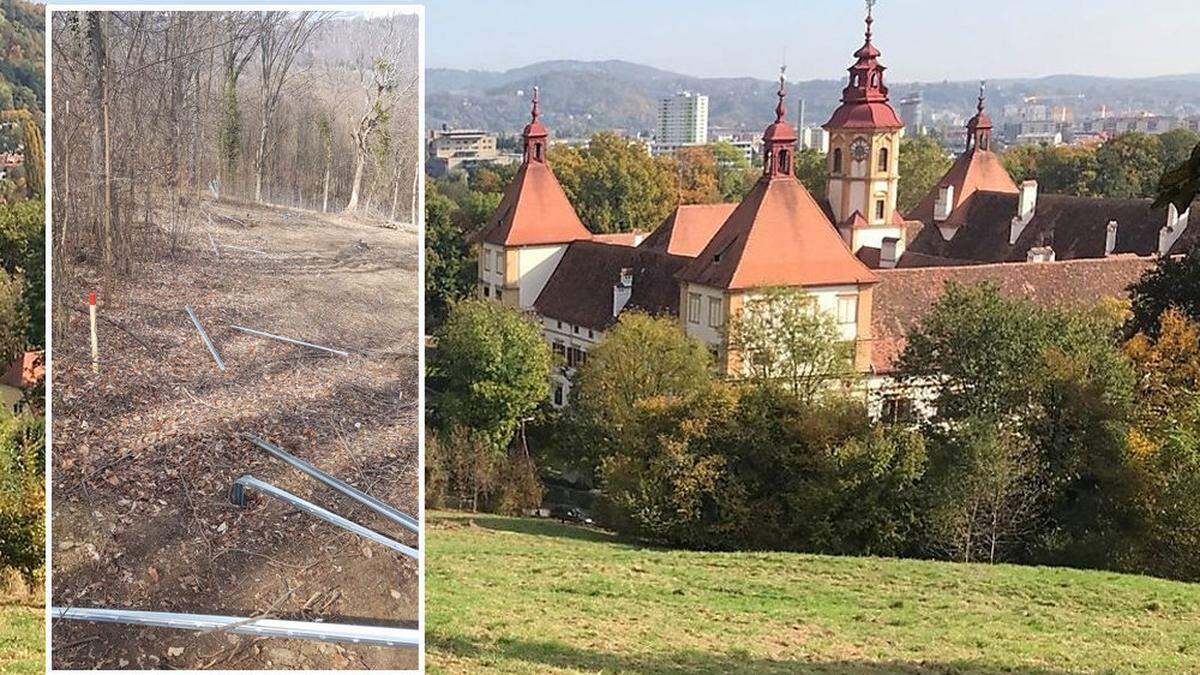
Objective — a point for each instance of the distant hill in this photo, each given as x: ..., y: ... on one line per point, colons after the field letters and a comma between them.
x: 22, y: 61
x: 580, y: 97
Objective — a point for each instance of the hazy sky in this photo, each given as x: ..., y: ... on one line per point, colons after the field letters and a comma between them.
x: 921, y: 40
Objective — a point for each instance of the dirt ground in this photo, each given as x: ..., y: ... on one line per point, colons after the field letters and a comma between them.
x: 145, y: 452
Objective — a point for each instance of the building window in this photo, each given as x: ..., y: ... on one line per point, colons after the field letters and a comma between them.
x: 500, y: 262
x: 499, y: 294
x: 575, y: 329
x: 847, y: 309
x: 837, y: 160
x: 693, y: 308
x: 558, y: 395
x: 560, y: 325
x: 716, y: 318
x: 487, y: 261
x: 878, y: 209
x: 487, y: 291
x: 591, y: 336
x: 898, y: 410
x: 576, y: 357
x: 883, y: 159
x: 784, y: 167
x: 560, y: 349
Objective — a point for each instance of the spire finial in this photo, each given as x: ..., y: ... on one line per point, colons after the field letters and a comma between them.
x: 982, y: 87
x: 535, y: 111
x: 780, y: 109
x: 870, y: 17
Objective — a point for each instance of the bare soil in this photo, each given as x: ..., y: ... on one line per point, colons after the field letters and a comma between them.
x: 145, y: 452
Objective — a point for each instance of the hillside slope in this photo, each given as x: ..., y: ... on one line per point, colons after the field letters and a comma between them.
x: 533, y: 596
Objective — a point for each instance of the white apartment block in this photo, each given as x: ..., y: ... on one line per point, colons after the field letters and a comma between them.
x: 683, y: 119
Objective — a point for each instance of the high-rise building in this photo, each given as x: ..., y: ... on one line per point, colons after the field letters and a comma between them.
x: 683, y: 119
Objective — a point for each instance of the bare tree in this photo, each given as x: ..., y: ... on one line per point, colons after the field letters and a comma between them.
x: 281, y: 37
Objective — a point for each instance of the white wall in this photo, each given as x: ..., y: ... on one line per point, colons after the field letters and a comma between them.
x: 535, y: 264
x: 713, y: 337
x: 569, y: 335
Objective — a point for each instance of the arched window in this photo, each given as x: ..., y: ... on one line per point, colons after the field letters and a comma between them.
x: 537, y: 151
x: 854, y: 80
x: 874, y: 79
x: 784, y: 166
x: 837, y: 160
x: 883, y: 159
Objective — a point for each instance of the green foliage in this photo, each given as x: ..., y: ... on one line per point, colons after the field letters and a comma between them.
x: 781, y: 338
x: 35, y: 159
x: 1180, y: 184
x: 492, y: 367
x: 640, y: 358
x: 1173, y: 283
x: 22, y: 497
x: 1130, y: 165
x: 810, y: 169
x: 23, y: 291
x: 614, y: 185
x: 450, y: 271
x: 923, y: 162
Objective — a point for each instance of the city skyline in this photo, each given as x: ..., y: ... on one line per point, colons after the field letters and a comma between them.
x: 971, y: 43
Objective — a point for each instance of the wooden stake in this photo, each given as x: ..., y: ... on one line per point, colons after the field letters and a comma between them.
x: 95, y: 342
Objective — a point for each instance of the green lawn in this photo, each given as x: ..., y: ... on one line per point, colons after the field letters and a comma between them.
x: 532, y: 596
x: 22, y: 642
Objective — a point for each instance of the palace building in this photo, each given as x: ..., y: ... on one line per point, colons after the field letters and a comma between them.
x: 874, y: 270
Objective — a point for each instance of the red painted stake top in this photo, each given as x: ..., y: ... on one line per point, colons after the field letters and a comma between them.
x: 92, y: 298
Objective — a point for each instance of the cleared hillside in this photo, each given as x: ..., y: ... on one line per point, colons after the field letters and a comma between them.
x: 534, y: 596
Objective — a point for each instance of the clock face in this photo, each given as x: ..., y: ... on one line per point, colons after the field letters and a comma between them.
x: 859, y: 149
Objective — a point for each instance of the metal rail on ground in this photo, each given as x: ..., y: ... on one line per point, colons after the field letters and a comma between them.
x: 303, y: 630
x: 381, y: 507
x: 289, y: 340
x: 207, y: 342
x: 238, y: 496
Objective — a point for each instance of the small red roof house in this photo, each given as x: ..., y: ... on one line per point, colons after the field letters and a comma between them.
x: 21, y: 374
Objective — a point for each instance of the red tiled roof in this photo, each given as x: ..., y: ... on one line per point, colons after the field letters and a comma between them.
x: 777, y: 236
x: 974, y: 170
x: 25, y: 371
x: 904, y: 296
x: 688, y: 229
x: 874, y: 115
x: 580, y: 291
x: 533, y: 211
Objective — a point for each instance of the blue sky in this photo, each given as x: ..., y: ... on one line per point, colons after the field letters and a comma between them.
x: 920, y: 39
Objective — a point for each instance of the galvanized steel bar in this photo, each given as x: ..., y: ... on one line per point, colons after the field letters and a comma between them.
x: 287, y: 339
x: 204, y: 336
x: 303, y: 630
x: 237, y: 496
x: 387, y: 510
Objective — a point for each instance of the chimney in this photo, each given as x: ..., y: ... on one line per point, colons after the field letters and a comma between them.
x: 889, y: 252
x: 1110, y: 238
x: 1026, y: 204
x: 1040, y: 254
x: 944, y: 204
x: 1171, y: 232
x: 623, y: 290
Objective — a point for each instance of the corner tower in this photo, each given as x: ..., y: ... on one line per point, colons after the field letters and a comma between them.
x: 529, y: 231
x: 864, y: 153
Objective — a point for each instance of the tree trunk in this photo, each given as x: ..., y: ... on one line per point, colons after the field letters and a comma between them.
x: 360, y: 163
x: 325, y: 197
x: 260, y: 160
x: 395, y: 198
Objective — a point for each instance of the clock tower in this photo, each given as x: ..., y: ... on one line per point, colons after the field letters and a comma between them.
x: 864, y: 154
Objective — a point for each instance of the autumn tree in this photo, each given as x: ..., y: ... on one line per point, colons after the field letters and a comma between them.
x: 923, y: 162
x: 781, y: 337
x: 614, y: 185
x: 699, y: 182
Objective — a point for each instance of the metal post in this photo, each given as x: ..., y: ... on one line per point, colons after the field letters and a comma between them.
x: 289, y: 340
x: 401, y: 518
x: 384, y: 636
x: 238, y: 496
x: 207, y: 342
